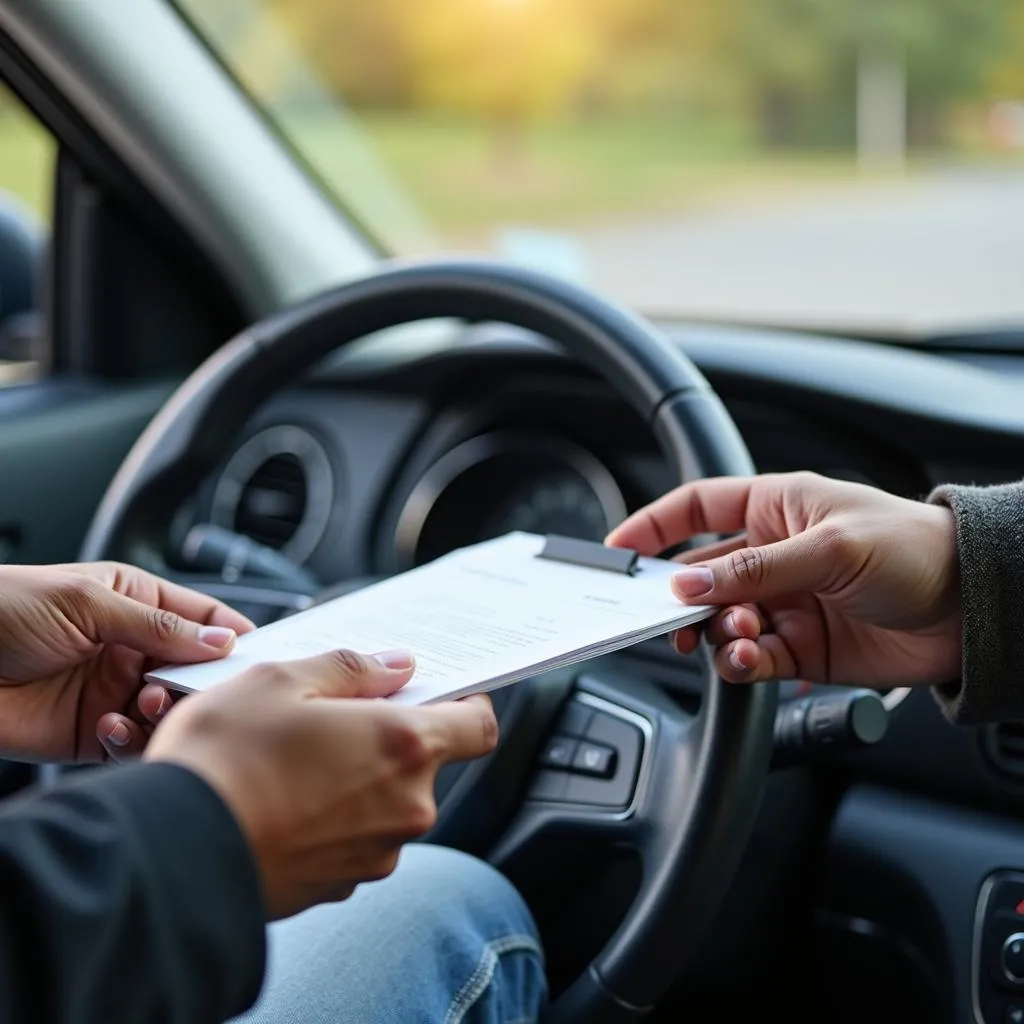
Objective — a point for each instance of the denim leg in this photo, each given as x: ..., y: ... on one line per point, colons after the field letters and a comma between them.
x: 444, y: 940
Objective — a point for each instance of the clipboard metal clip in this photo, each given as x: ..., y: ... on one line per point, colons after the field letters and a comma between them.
x: 590, y: 554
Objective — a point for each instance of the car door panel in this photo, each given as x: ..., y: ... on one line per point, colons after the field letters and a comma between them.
x: 60, y: 444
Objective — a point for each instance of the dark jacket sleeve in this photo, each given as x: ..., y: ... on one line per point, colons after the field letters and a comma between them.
x: 127, y: 895
x: 990, y: 543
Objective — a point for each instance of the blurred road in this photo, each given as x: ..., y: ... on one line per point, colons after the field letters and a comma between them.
x: 931, y: 255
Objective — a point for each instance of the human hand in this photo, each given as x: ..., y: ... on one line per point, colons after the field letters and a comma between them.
x: 74, y: 642
x: 832, y: 582
x: 325, y: 787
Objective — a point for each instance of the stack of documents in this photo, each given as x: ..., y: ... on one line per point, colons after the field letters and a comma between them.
x: 475, y: 620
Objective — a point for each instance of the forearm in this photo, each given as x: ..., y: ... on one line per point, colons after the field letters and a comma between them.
x: 990, y: 545
x: 127, y: 895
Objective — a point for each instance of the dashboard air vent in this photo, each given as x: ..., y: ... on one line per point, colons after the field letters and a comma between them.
x: 273, y: 502
x: 278, y: 489
x: 1004, y: 744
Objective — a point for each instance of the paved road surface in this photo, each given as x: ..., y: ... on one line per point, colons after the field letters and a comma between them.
x: 932, y: 255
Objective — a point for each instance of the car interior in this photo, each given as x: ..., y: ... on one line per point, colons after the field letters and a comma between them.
x: 220, y: 359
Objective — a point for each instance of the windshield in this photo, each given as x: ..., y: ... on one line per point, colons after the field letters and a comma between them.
x: 854, y: 165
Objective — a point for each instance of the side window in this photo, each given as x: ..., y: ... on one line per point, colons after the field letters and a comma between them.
x: 27, y: 160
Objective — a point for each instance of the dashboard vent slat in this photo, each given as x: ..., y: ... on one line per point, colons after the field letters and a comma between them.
x: 273, y: 502
x: 278, y: 488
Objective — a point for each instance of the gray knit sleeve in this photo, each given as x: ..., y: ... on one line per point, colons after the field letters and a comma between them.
x: 990, y: 543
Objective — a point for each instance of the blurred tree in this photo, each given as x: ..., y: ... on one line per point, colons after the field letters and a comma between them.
x: 360, y: 48
x: 653, y: 53
x: 1004, y: 76
x: 785, y: 55
x: 509, y: 60
x: 946, y: 47
x: 794, y: 68
x: 799, y: 57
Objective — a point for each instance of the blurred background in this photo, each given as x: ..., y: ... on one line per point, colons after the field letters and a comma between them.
x: 855, y: 165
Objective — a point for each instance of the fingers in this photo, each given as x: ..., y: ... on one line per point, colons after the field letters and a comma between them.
x: 715, y: 505
x: 685, y: 641
x: 734, y: 623
x: 121, y: 738
x: 156, y: 632
x: 348, y: 674
x: 730, y: 624
x: 190, y: 604
x: 743, y: 652
x: 154, y: 702
x: 804, y: 563
x: 708, y: 551
x: 460, y: 730
x: 160, y: 593
x: 749, y: 661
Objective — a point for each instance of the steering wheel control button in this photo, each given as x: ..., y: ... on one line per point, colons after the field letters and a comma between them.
x: 560, y: 752
x: 594, y: 759
x: 575, y: 718
x: 548, y: 786
x: 625, y: 742
x: 1012, y: 958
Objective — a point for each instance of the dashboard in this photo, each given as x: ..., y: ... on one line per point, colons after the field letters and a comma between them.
x: 388, y: 457
x: 500, y: 433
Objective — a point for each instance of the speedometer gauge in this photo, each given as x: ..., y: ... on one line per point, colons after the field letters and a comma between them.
x: 493, y: 484
x: 562, y: 503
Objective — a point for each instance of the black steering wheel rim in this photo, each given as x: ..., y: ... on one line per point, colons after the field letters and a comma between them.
x: 725, y: 775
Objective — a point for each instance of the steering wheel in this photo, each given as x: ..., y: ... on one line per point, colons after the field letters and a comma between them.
x: 689, y: 785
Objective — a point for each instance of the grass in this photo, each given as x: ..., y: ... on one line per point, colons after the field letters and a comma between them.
x: 465, y: 178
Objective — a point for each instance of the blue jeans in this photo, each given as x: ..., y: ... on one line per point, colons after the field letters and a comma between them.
x: 444, y: 940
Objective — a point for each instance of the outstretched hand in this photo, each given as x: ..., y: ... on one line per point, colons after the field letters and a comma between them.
x: 76, y: 642
x: 826, y: 580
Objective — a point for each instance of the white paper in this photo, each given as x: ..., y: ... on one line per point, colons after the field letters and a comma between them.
x: 476, y: 619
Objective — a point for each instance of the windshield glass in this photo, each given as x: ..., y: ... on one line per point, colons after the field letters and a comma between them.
x: 839, y: 164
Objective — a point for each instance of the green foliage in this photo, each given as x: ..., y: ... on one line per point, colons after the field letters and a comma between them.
x: 788, y: 66
x: 1004, y: 76
x: 797, y: 59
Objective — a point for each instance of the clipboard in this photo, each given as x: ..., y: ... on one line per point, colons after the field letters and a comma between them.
x: 590, y: 554
x: 479, y: 618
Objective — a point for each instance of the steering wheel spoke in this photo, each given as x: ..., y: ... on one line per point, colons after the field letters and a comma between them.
x: 596, y: 770
x: 614, y: 767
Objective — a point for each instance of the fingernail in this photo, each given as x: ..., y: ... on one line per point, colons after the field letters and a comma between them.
x: 730, y: 624
x: 734, y: 660
x: 165, y: 704
x: 218, y: 637
x: 694, y: 580
x: 397, y: 661
x: 119, y: 735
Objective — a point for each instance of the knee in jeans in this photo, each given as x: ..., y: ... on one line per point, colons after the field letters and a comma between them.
x: 456, y: 883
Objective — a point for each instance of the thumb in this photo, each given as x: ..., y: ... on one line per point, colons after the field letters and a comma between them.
x: 156, y: 632
x: 800, y: 564
x: 348, y: 674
